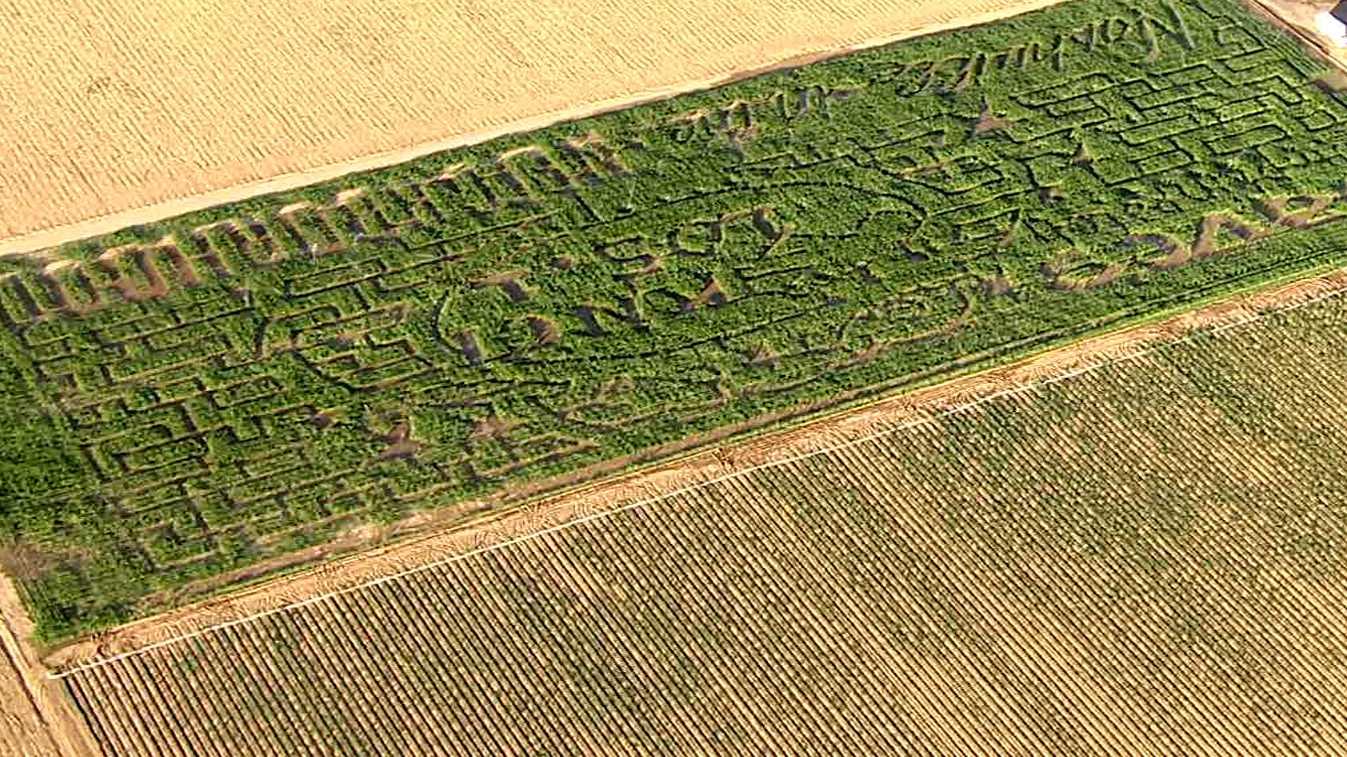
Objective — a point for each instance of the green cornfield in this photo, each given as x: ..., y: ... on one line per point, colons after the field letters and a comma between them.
x: 1149, y: 558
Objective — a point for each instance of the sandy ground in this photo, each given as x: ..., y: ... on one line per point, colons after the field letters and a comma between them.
x: 662, y: 481
x: 35, y: 720
x: 127, y: 114
x: 924, y: 591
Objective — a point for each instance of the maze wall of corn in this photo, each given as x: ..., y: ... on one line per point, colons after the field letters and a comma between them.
x: 1148, y: 558
x: 193, y: 397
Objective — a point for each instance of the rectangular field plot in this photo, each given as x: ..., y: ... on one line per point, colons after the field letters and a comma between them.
x: 198, y: 396
x: 1144, y: 559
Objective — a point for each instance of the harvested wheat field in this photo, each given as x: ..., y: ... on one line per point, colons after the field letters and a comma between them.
x: 120, y: 117
x: 1144, y: 558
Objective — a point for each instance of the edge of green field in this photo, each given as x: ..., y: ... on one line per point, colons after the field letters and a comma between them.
x: 22, y: 474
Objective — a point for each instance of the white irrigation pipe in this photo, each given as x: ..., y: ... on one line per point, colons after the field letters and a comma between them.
x: 965, y: 407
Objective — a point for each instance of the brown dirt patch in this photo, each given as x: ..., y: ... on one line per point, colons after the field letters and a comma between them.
x: 35, y: 720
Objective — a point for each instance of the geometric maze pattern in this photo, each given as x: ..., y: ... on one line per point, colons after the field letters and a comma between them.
x: 247, y: 380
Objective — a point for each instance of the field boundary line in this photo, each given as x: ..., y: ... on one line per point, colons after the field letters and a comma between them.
x: 1217, y: 329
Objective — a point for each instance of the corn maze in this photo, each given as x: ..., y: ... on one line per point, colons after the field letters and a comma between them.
x: 199, y: 395
x: 1155, y: 564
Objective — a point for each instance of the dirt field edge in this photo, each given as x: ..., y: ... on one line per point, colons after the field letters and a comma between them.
x: 36, y: 713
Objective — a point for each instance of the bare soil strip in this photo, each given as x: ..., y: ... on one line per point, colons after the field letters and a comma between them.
x: 643, y: 487
x: 35, y: 719
x: 156, y: 112
x: 1297, y: 17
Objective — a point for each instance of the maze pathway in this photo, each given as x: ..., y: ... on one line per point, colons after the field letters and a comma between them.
x: 1146, y: 558
x: 203, y: 394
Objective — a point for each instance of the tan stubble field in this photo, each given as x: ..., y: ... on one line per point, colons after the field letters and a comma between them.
x: 117, y: 118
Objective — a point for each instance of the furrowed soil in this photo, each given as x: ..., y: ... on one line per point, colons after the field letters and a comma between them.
x: 1139, y: 551
x: 127, y: 115
x: 424, y: 544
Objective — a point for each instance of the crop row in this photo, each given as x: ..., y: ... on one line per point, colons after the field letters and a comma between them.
x: 1146, y: 558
